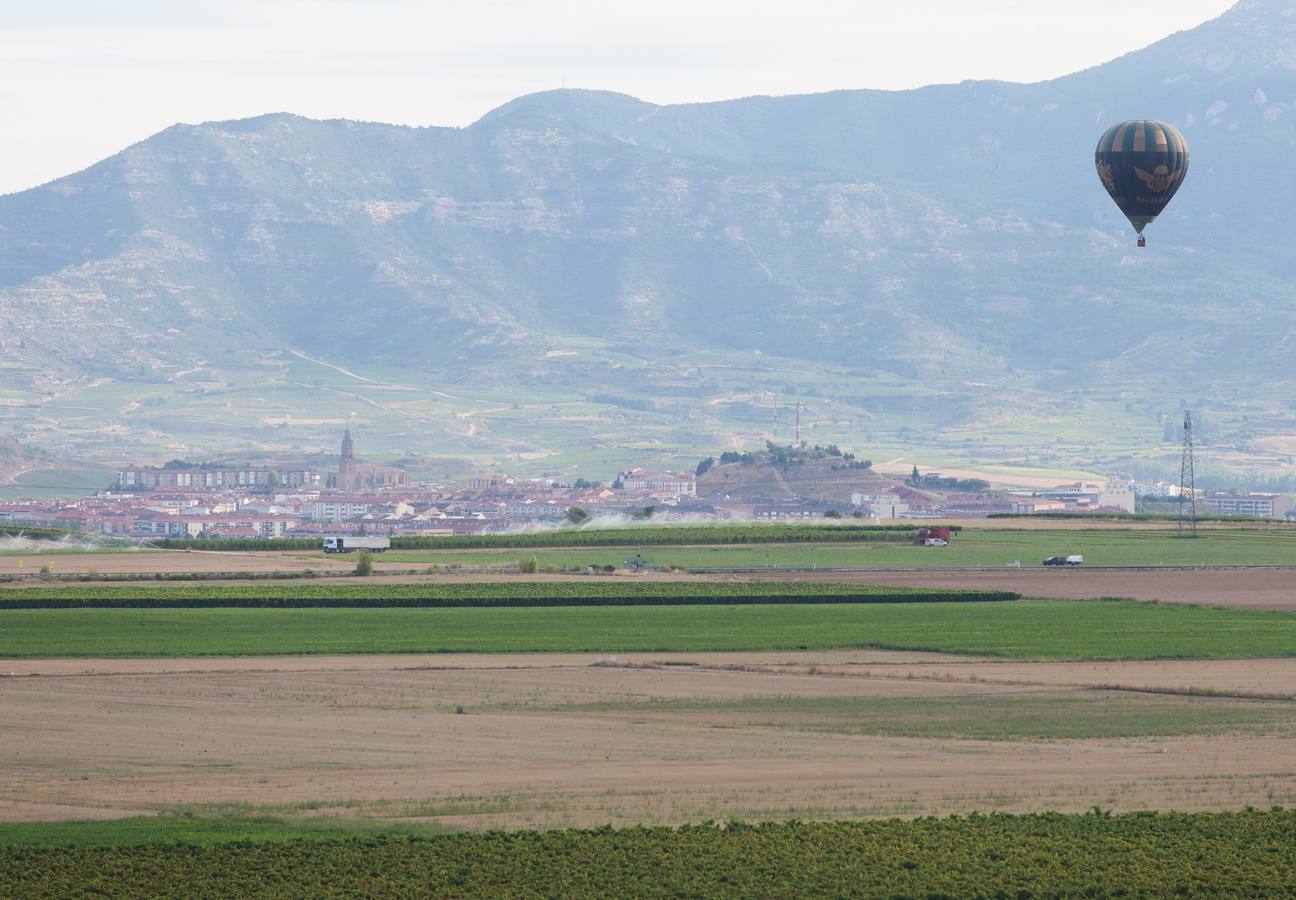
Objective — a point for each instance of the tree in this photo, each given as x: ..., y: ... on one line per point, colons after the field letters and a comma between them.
x: 364, y: 565
x: 914, y: 477
x: 577, y: 516
x: 832, y: 514
x: 531, y: 566
x: 705, y: 466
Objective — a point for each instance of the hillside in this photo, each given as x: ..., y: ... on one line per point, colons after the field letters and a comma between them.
x: 784, y: 473
x: 943, y: 259
x: 16, y: 459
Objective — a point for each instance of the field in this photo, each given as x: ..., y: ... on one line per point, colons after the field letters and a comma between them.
x: 557, y: 740
x: 360, y: 727
x: 282, y: 402
x: 1091, y: 855
x: 974, y: 546
x: 514, y: 592
x: 1024, y: 630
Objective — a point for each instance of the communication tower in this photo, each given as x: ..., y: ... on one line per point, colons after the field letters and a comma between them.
x: 1187, y: 491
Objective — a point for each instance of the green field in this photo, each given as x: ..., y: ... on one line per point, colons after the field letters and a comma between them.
x: 376, y: 594
x: 1024, y: 630
x: 1041, y: 716
x: 1247, y: 853
x: 988, y: 547
x: 199, y: 827
x: 57, y: 482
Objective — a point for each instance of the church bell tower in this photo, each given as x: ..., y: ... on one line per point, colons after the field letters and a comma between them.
x: 346, y: 463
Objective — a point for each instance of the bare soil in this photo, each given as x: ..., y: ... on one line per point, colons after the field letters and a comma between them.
x: 1257, y: 588
x: 381, y: 737
x: 167, y: 561
x: 1252, y: 588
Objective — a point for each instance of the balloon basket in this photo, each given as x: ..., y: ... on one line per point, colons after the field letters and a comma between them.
x: 1142, y: 242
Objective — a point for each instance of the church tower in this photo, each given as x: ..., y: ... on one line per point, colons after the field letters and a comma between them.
x: 347, y: 464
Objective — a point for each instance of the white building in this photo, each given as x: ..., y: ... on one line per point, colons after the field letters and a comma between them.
x: 658, y: 483
x: 338, y: 509
x: 882, y: 506
x: 1117, y: 495
x: 1159, y: 490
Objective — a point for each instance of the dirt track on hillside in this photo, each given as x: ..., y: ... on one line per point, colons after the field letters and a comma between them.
x: 559, y: 740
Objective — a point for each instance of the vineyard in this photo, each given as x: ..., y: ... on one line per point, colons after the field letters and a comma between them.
x: 487, y: 594
x: 642, y: 536
x: 1247, y: 853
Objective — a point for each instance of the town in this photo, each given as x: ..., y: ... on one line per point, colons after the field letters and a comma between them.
x: 781, y: 484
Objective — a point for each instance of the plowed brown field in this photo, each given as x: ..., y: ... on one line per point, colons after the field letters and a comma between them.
x: 1254, y: 588
x: 482, y: 741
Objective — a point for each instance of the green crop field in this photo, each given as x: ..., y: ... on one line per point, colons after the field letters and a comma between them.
x: 1036, y: 716
x: 374, y: 594
x: 1023, y: 630
x: 986, y: 547
x: 1247, y: 853
x: 200, y: 826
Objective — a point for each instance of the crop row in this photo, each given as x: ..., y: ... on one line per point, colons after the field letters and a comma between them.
x: 664, y: 535
x: 495, y: 594
x: 36, y: 533
x: 1249, y: 853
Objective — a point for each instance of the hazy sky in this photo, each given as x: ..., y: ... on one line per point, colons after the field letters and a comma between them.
x: 81, y: 79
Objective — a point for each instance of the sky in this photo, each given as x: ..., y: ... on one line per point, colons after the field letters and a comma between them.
x: 82, y: 79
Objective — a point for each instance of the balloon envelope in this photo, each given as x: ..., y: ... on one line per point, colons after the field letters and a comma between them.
x: 1142, y: 163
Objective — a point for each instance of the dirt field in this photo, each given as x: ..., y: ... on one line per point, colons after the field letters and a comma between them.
x: 1254, y: 588
x: 479, y: 741
x: 170, y: 561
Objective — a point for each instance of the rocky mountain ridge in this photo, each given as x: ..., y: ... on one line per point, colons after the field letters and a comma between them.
x: 954, y: 234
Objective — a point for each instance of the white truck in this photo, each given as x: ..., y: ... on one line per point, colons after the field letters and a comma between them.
x: 350, y: 543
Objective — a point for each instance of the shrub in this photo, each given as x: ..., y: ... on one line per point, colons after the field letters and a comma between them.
x: 364, y: 565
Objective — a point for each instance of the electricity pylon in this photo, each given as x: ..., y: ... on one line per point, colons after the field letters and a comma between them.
x: 1187, y: 490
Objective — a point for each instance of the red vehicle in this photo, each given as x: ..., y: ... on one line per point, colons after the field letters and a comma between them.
x: 933, y: 534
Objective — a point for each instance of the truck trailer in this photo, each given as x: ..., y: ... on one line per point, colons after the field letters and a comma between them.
x: 350, y: 543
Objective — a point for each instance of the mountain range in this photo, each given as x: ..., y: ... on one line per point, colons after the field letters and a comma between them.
x: 954, y: 237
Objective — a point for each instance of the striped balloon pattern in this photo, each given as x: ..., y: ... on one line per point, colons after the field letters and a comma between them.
x: 1142, y: 163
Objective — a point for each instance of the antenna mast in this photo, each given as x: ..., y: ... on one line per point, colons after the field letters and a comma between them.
x: 1187, y: 491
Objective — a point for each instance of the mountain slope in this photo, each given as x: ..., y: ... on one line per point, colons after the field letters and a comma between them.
x: 955, y: 234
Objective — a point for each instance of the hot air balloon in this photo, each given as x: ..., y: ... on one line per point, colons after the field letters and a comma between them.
x: 1141, y: 164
